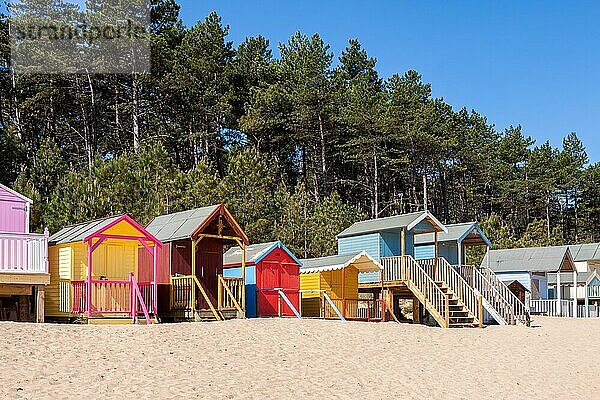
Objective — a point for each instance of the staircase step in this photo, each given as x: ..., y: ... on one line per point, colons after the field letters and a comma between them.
x: 462, y: 325
x: 110, y: 321
x: 462, y: 318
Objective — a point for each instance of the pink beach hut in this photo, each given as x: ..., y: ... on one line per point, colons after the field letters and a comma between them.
x: 23, y: 261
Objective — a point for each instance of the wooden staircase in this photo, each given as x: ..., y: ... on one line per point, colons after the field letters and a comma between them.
x: 459, y: 314
x: 450, y: 301
x: 498, y: 300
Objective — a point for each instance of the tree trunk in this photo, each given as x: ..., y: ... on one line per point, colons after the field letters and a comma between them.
x: 134, y: 114
x: 376, y: 185
x: 425, y: 194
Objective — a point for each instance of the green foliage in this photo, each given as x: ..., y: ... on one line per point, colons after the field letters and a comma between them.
x: 296, y: 146
x: 309, y: 228
x: 536, y: 235
x: 248, y: 190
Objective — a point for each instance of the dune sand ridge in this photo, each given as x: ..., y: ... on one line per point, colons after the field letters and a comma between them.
x: 276, y: 359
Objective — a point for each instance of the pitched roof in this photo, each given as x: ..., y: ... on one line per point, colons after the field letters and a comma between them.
x: 566, y: 278
x: 15, y: 194
x: 585, y: 252
x: 533, y: 259
x: 456, y: 233
x: 408, y: 221
x: 510, y: 282
x: 361, y: 261
x: 254, y: 253
x: 179, y: 225
x: 78, y: 232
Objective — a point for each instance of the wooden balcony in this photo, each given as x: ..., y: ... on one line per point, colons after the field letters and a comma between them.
x: 24, y: 258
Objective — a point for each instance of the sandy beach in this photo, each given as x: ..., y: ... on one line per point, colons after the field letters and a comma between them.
x: 276, y: 359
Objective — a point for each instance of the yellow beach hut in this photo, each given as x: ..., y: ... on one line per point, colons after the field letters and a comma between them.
x: 329, y: 287
x: 94, y: 272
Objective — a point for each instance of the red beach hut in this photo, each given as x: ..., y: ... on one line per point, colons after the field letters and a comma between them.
x: 272, y: 279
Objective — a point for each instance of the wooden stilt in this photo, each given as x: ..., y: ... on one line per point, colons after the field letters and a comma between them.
x: 40, y: 292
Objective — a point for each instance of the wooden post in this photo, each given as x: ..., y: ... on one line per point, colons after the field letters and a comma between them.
x: 558, y: 294
x: 575, y: 286
x: 278, y: 304
x: 193, y: 284
x: 416, y: 310
x: 132, y: 298
x: 436, y: 255
x: 39, y: 303
x: 403, y: 241
x: 587, y: 301
x: 447, y: 310
x: 480, y: 307
x: 88, y: 305
x: 155, y: 284
x: 220, y: 294
x: 403, y: 250
x: 344, y: 292
x: 460, y: 256
x: 243, y: 246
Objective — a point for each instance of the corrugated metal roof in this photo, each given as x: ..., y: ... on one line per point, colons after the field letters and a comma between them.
x: 179, y: 225
x: 534, y: 259
x: 78, y: 232
x: 253, y: 252
x: 455, y: 232
x: 566, y: 278
x: 361, y: 261
x: 388, y: 223
x: 585, y: 252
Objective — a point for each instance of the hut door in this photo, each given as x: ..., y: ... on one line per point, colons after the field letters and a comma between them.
x: 115, y: 268
x: 267, y: 298
x: 14, y: 218
x: 209, y: 265
x: 290, y: 280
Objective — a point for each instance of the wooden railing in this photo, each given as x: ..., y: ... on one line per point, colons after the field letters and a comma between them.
x: 550, y: 308
x: 370, y: 310
x: 109, y: 297
x: 392, y: 268
x: 24, y: 253
x: 594, y: 291
x: 79, y: 297
x: 327, y: 307
x: 137, y: 300
x: 147, y: 291
x: 497, y: 294
x: 444, y: 272
x: 183, y: 295
x: 421, y: 284
x: 230, y: 294
x: 593, y: 311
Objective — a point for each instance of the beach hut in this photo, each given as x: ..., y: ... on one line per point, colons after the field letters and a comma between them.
x: 23, y: 261
x: 421, y: 258
x: 193, y: 256
x: 586, y: 256
x: 587, y: 294
x: 272, y: 278
x: 453, y: 244
x: 95, y: 275
x: 531, y: 267
x: 329, y: 287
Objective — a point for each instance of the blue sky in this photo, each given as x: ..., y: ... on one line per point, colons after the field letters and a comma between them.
x: 533, y: 63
